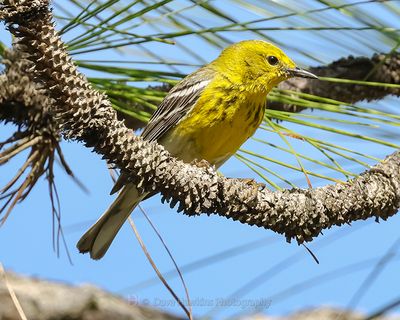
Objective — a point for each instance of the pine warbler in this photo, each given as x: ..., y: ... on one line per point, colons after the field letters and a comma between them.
x: 208, y: 115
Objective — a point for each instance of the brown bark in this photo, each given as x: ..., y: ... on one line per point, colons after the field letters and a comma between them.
x: 45, y: 300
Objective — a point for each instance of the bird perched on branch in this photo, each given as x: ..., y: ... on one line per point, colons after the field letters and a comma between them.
x: 206, y: 116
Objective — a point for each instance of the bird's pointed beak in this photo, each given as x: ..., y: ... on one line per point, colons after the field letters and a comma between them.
x: 297, y: 72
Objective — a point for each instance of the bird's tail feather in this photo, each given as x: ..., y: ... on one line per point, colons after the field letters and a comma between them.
x: 99, y: 237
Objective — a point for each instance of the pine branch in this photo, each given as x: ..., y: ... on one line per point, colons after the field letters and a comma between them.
x: 25, y: 103
x: 86, y: 115
x: 379, y: 68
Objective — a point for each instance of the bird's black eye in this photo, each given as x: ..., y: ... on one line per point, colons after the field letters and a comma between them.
x: 272, y: 60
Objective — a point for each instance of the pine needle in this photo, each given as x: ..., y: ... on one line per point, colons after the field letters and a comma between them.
x: 159, y: 274
x: 12, y: 294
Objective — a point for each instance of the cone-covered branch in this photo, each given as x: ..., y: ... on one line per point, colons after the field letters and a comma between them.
x: 86, y: 115
x: 25, y: 103
x: 379, y: 68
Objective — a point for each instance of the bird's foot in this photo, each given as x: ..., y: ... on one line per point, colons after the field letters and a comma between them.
x: 253, y: 183
x: 201, y: 163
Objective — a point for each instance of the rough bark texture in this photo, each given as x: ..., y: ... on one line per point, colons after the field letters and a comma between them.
x: 21, y: 100
x: 25, y: 103
x: 45, y: 300
x: 86, y: 115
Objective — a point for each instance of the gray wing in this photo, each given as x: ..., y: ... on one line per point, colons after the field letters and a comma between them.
x: 173, y: 108
x: 177, y: 103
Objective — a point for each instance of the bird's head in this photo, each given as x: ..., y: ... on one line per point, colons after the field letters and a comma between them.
x: 257, y: 65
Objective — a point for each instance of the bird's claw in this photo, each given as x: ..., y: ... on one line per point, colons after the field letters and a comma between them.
x: 253, y: 183
x: 201, y: 163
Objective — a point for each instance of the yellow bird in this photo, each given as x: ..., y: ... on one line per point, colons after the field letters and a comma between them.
x: 208, y: 115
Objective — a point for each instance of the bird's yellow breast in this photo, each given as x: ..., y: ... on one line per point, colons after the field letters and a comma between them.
x: 219, y: 123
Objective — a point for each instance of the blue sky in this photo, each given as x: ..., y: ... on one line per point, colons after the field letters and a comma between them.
x: 26, y: 239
